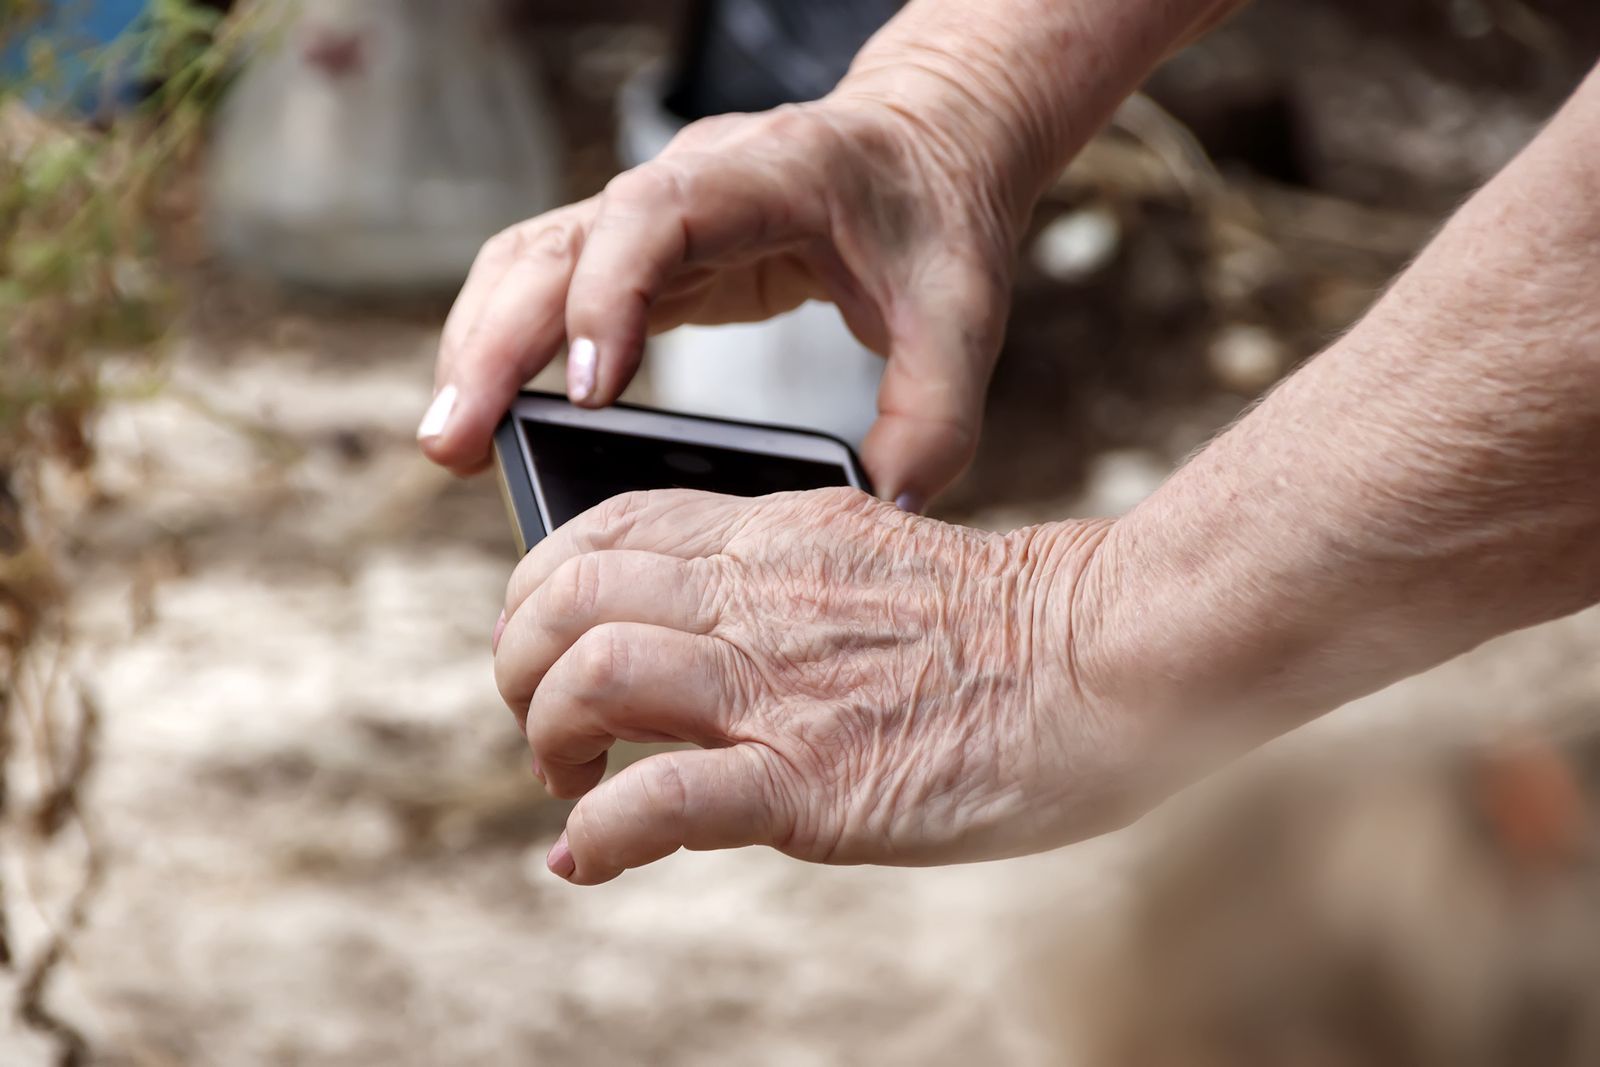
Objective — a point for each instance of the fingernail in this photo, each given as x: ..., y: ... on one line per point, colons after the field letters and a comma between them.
x: 582, y: 366
x: 538, y: 770
x: 438, y: 414
x: 560, y: 860
x: 910, y: 502
x: 499, y: 628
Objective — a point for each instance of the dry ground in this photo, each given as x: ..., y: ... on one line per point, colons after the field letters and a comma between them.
x: 323, y: 845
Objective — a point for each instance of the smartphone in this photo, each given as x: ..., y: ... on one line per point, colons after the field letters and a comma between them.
x: 557, y: 461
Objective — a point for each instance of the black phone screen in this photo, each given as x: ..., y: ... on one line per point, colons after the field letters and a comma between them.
x: 578, y: 468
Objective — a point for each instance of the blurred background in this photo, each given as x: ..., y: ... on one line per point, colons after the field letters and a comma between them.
x: 260, y: 803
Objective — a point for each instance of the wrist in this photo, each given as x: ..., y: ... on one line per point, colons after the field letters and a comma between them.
x: 1347, y: 533
x: 1169, y: 634
x: 1272, y: 578
x: 971, y: 123
x: 1424, y: 485
x: 1022, y: 86
x: 1112, y: 692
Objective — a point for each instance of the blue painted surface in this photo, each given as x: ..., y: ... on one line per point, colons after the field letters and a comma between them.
x: 77, y: 29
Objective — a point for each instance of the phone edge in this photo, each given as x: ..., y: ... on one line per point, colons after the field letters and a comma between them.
x: 849, y: 450
x: 516, y: 486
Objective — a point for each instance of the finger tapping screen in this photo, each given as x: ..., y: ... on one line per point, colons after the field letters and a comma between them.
x: 579, y: 468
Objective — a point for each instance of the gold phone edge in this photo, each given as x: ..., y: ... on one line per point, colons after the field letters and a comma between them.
x: 505, y: 498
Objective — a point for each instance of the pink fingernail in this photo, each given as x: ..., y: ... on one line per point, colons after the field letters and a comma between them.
x: 538, y: 769
x: 583, y: 362
x: 438, y: 414
x: 499, y: 628
x: 560, y: 860
x: 910, y: 502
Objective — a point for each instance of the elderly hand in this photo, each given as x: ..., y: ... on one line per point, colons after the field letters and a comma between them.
x: 864, y: 686
x: 899, y: 197
x: 742, y: 218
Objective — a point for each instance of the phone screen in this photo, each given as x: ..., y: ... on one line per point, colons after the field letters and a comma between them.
x: 579, y: 468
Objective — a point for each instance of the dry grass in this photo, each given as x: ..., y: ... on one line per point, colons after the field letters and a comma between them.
x: 83, y: 209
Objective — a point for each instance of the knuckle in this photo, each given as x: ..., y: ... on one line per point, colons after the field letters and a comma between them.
x: 706, y: 586
x: 504, y: 245
x: 663, y: 790
x: 703, y: 131
x: 664, y: 183
x: 841, y: 495
x: 599, y: 664
x: 557, y: 241
x: 573, y: 591
x: 612, y: 520
x: 790, y: 122
x: 843, y: 500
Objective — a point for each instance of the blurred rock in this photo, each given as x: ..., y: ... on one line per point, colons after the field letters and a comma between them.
x: 1246, y: 359
x: 1419, y: 906
x: 1119, y: 481
x: 1077, y: 245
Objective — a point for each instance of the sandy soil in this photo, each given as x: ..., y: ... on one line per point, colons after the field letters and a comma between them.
x: 322, y: 842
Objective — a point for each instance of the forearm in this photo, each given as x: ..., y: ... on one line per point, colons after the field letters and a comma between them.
x: 1024, y: 82
x: 1431, y: 481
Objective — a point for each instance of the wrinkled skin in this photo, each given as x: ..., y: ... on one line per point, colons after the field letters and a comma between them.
x: 868, y: 686
x: 864, y: 686
x: 744, y: 217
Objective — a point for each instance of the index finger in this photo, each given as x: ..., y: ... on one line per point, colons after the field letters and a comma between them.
x: 684, y: 210
x: 507, y: 324
x: 685, y: 523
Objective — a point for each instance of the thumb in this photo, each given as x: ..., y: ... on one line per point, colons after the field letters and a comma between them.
x: 930, y: 404
x: 695, y: 799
